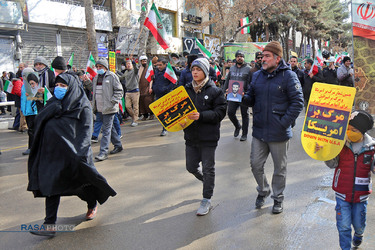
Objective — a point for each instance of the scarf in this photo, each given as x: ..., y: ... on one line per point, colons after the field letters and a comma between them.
x: 198, y: 87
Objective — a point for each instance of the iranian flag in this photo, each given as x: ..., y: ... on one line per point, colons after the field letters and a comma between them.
x: 150, y: 72
x: 245, y: 21
x: 122, y: 105
x: 8, y: 87
x: 169, y: 74
x: 203, y: 49
x: 314, y: 68
x: 319, y: 57
x: 326, y: 43
x: 217, y: 71
x: 154, y: 24
x: 70, y: 61
x: 90, y: 68
x: 47, y: 95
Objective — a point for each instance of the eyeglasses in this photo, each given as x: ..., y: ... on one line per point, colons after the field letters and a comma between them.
x: 259, y: 57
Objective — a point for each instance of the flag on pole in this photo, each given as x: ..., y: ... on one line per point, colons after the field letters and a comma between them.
x: 169, y: 74
x: 314, y: 68
x: 149, y: 72
x: 8, y: 87
x: 319, y: 57
x: 70, y: 61
x: 90, y: 68
x: 203, y: 49
x: 217, y: 71
x: 245, y: 21
x: 47, y: 95
x: 154, y: 24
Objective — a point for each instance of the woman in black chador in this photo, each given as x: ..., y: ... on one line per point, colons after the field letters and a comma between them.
x: 60, y: 161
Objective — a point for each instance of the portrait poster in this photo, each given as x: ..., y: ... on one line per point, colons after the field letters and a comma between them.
x: 172, y: 110
x: 32, y: 89
x: 326, y: 120
x: 235, y: 90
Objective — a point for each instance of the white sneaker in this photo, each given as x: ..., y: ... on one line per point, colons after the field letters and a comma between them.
x: 134, y: 124
x: 204, y: 208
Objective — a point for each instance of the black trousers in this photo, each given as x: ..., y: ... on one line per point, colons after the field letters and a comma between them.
x: 52, y: 203
x: 206, y: 155
x: 232, y: 109
x: 30, y: 125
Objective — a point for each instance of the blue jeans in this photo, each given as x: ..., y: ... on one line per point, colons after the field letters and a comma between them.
x: 109, y: 134
x: 348, y: 214
x: 99, y: 122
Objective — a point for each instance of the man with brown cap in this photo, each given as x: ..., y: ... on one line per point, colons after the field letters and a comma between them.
x: 275, y: 94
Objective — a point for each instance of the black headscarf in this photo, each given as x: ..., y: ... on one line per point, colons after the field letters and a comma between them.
x: 61, y: 160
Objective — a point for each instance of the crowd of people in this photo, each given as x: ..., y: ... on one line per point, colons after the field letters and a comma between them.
x: 276, y: 91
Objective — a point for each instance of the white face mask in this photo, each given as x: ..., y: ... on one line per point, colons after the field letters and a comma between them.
x: 122, y: 67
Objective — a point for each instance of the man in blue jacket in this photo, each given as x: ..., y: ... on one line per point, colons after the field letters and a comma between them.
x: 275, y: 94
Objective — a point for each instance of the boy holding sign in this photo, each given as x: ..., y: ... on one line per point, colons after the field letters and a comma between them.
x: 352, y: 179
x: 203, y: 134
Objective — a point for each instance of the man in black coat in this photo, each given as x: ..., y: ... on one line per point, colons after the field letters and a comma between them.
x: 203, y: 134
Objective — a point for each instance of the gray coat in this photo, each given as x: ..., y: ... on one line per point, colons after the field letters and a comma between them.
x: 112, y: 93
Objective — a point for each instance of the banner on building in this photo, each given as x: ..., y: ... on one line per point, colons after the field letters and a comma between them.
x: 326, y: 120
x: 172, y: 109
x: 126, y: 40
x: 364, y: 48
x: 249, y: 50
x: 189, y: 45
x: 213, y: 44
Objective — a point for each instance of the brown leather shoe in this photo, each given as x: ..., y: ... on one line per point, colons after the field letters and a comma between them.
x: 91, y: 213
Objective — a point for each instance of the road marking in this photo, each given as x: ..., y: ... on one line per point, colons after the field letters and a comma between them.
x: 8, y: 149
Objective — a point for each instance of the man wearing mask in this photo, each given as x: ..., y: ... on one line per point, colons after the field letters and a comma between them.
x: 330, y: 72
x: 107, y: 92
x: 241, y: 73
x: 144, y: 90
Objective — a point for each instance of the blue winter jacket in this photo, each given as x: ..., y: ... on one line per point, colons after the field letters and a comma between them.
x: 185, y: 77
x: 277, y: 100
x: 161, y: 85
x: 27, y: 107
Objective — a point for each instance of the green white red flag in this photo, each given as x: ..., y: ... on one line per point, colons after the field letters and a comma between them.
x: 319, y: 57
x: 122, y: 105
x: 149, y: 72
x: 90, y: 68
x: 155, y: 25
x: 245, y: 21
x: 217, y: 71
x: 326, y: 43
x: 8, y: 87
x: 203, y: 49
x: 314, y: 68
x: 70, y: 61
x: 169, y: 74
x: 47, y: 95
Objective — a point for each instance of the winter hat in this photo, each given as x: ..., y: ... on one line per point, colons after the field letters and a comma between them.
x: 361, y: 120
x: 32, y: 77
x: 142, y: 58
x: 274, y: 47
x: 59, y: 63
x: 102, y: 61
x: 191, y: 58
x: 239, y: 53
x: 203, y: 64
x: 41, y: 59
x: 346, y: 58
x: 257, y: 54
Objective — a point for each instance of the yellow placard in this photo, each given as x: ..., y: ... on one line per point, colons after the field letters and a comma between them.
x: 172, y: 109
x: 112, y: 61
x: 326, y: 120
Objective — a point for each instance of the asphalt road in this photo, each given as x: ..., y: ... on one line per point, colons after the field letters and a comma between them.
x: 157, y: 200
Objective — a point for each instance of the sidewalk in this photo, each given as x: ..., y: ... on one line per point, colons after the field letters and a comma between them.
x: 6, y: 121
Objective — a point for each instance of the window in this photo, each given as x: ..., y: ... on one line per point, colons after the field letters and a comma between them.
x: 191, y: 11
x: 169, y: 21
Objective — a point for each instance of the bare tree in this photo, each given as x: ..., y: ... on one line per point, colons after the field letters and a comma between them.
x: 90, y: 29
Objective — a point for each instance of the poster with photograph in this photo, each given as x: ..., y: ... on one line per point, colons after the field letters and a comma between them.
x: 235, y: 90
x: 31, y: 88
